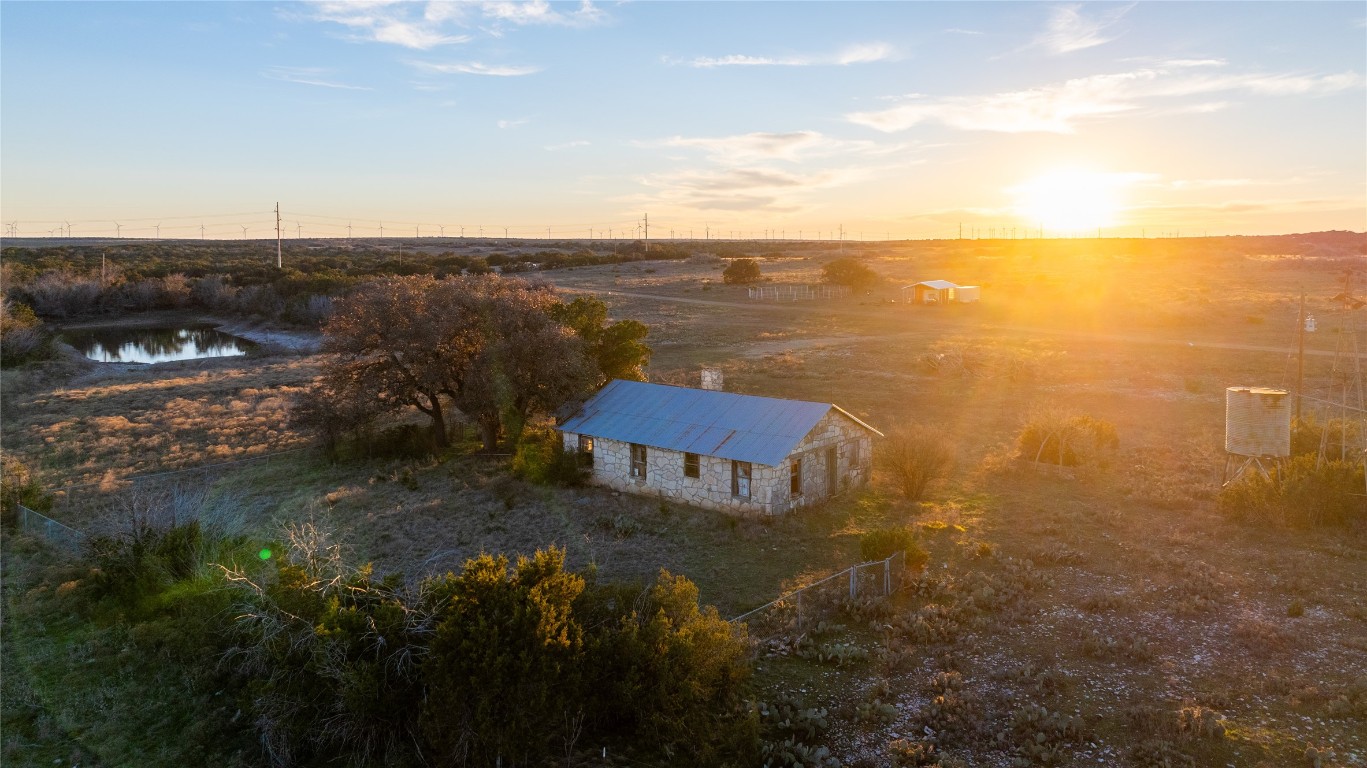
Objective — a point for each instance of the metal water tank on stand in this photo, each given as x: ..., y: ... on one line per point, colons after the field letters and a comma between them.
x: 1257, y: 430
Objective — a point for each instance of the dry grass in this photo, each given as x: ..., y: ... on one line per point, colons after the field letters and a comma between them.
x: 1154, y: 601
x: 130, y: 420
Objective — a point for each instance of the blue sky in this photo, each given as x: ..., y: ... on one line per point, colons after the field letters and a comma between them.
x: 889, y: 119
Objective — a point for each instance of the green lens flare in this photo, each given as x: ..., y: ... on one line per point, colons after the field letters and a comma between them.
x: 264, y: 554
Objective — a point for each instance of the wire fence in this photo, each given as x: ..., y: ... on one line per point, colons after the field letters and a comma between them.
x: 876, y: 578
x: 55, y: 533
x: 797, y: 292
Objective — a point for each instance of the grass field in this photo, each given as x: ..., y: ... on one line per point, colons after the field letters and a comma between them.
x: 1139, y: 596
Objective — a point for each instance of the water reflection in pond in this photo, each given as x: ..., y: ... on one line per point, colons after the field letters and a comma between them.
x: 154, y: 345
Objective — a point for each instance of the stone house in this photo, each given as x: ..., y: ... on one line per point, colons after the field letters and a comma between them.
x: 719, y: 450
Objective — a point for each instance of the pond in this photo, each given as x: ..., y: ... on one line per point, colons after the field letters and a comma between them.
x: 155, y: 345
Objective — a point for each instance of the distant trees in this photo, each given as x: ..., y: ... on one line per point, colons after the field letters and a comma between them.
x: 849, y: 272
x: 497, y: 350
x: 741, y: 272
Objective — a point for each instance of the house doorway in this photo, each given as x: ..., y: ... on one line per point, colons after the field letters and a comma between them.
x: 831, y: 471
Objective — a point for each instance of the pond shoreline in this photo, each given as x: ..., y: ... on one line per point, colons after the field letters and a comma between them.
x: 271, y: 339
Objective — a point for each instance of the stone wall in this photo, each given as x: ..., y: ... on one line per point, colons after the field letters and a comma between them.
x: 769, y: 485
x: 853, y: 448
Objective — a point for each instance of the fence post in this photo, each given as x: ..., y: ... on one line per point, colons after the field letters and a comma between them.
x: 887, y: 575
x: 854, y: 581
x: 799, y: 609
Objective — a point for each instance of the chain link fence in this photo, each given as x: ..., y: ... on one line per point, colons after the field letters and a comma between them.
x: 55, y: 533
x: 814, y: 602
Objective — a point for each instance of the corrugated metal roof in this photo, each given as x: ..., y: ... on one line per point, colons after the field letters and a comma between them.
x: 938, y: 285
x: 763, y: 430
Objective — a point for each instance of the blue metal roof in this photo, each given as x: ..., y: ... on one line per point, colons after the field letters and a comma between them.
x: 763, y: 430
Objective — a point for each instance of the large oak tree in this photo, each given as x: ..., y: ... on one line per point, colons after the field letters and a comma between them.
x: 498, y: 350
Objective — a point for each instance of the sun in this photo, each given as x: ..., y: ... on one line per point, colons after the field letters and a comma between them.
x: 1069, y: 200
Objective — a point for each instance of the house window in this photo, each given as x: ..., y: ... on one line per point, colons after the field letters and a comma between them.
x: 740, y: 479
x: 854, y: 454
x: 691, y: 465
x: 795, y: 478
x: 638, y: 461
x: 832, y: 471
x: 586, y: 450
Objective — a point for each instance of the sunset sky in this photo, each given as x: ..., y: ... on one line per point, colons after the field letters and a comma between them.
x: 891, y: 119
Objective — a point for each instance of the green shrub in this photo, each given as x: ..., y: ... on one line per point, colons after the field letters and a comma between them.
x: 22, y: 336
x: 1304, y: 492
x: 882, y: 543
x: 541, y: 458
x: 916, y: 456
x: 849, y: 272
x: 18, y: 487
x: 741, y: 271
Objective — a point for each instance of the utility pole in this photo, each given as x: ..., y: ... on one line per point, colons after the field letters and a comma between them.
x: 279, y: 262
x: 104, y: 274
x: 1300, y: 357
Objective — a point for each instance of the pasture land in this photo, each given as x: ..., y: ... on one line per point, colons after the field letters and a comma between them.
x: 1117, y: 593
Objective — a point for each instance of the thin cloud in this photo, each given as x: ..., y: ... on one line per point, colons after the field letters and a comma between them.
x: 1069, y: 29
x: 862, y: 53
x: 542, y: 12
x: 746, y: 188
x: 385, y: 22
x: 749, y: 148
x: 514, y: 123
x: 958, y: 31
x: 1059, y: 107
x: 475, y: 68
x: 423, y: 26
x: 315, y: 76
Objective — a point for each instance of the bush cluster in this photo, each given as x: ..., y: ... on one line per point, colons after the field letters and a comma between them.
x: 1304, y: 493
x: 915, y: 457
x: 1065, y: 439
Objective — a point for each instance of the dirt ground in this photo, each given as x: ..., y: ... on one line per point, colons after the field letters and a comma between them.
x: 1138, y: 592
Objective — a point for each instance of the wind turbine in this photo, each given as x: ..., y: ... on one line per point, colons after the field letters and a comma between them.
x: 298, y: 231
x: 348, y: 230
x: 441, y: 229
x: 68, y: 227
x: 118, y: 229
x: 382, y: 229
x: 158, y: 230
x: 244, y: 233
x: 201, y: 230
